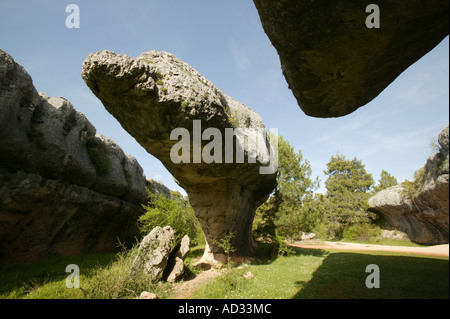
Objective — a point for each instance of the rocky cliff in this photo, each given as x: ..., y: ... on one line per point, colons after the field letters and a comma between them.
x: 180, y: 117
x: 333, y: 62
x: 425, y: 216
x: 64, y: 189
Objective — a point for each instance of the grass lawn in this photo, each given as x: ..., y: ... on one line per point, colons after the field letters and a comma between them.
x: 47, y: 278
x: 323, y: 274
x: 309, y: 273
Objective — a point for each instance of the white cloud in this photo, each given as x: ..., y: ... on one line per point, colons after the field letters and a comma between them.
x: 241, y: 58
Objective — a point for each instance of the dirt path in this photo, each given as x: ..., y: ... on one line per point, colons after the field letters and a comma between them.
x: 438, y: 250
x: 185, y: 289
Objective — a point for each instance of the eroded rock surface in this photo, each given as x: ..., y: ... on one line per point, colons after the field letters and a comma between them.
x: 425, y: 217
x: 175, y: 266
x: 64, y: 189
x: 154, y: 94
x: 153, y: 253
x: 333, y: 63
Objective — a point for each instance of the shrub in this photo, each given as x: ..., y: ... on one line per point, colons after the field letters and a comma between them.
x: 175, y: 212
x: 361, y: 232
x: 411, y: 188
x: 115, y: 281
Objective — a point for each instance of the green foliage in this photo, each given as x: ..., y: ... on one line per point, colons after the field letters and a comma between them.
x: 116, y: 282
x: 434, y: 145
x: 226, y: 244
x: 282, y: 248
x: 291, y: 208
x: 99, y: 155
x: 361, y: 232
x: 175, y: 212
x: 102, y: 276
x: 411, y: 188
x: 386, y: 180
x: 159, y: 76
x: 319, y: 274
x: 347, y: 186
x: 347, y: 176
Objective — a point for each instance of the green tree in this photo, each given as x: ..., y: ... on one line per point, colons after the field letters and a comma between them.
x: 347, y: 175
x: 412, y: 188
x: 288, y: 210
x: 347, y: 186
x: 386, y: 180
x: 175, y: 212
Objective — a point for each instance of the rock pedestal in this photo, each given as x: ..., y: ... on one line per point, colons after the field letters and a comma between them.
x: 185, y: 121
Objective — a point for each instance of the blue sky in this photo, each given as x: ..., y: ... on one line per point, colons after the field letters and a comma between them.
x: 224, y: 41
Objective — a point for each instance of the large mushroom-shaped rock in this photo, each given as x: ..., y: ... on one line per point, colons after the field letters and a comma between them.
x: 425, y: 215
x: 181, y: 118
x: 333, y: 62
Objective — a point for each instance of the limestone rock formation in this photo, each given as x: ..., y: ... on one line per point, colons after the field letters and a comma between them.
x: 333, y: 63
x: 175, y: 267
x: 158, y: 98
x: 425, y: 217
x: 156, y: 187
x: 153, y: 253
x: 64, y: 189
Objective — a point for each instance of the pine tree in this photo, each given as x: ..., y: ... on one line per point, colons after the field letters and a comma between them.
x: 289, y: 210
x: 347, y: 186
x: 386, y: 180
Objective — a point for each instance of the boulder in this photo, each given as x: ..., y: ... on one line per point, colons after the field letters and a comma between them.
x: 175, y: 268
x: 64, y: 189
x: 333, y: 62
x: 156, y: 187
x: 153, y: 253
x: 425, y: 216
x: 158, y: 98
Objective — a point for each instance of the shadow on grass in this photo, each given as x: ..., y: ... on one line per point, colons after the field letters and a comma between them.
x: 16, y: 280
x: 343, y: 275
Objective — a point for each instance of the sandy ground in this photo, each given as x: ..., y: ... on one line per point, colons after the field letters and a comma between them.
x: 437, y: 250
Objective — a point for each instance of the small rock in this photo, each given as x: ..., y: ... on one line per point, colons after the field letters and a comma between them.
x: 307, y: 236
x: 147, y: 295
x: 248, y: 275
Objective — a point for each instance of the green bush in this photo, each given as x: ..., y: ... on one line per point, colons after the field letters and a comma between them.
x: 361, y: 232
x: 175, y: 212
x: 411, y: 188
x: 116, y: 282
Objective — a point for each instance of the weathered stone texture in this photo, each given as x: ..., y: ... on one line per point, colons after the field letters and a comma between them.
x: 155, y: 93
x: 333, y: 63
x: 64, y: 189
